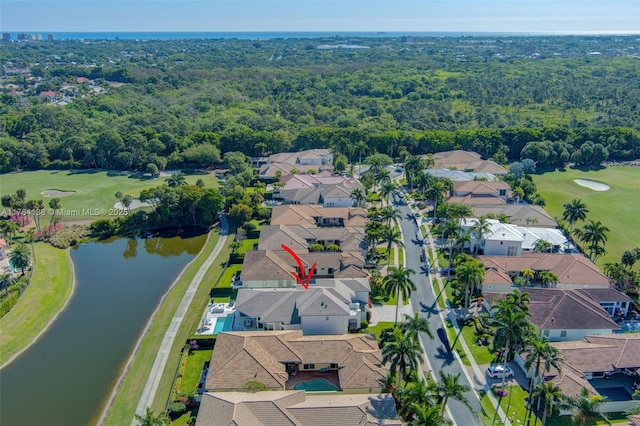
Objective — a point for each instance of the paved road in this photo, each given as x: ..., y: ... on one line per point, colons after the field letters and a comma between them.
x: 423, y: 300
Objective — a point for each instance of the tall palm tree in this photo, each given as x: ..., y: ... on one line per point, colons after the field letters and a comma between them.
x: 415, y: 392
x: 398, y: 282
x: 449, y: 387
x: 20, y: 257
x: 469, y: 274
x: 427, y: 415
x: 127, y: 200
x: 56, y: 205
x: 480, y: 229
x: 548, y: 393
x: 594, y: 234
x: 548, y: 278
x: 542, y: 246
x: 358, y: 195
x: 391, y: 236
x: 401, y: 353
x: 150, y: 419
x: 361, y: 148
x: 519, y: 300
x: 436, y: 192
x: 387, y: 189
x: 412, y: 167
x: 541, y: 350
x: 586, y: 407
x: 451, y: 231
x: 415, y: 324
x: 390, y: 215
x: 574, y: 211
x: 5, y: 282
x: 512, y: 329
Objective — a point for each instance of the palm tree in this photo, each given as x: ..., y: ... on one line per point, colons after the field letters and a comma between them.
x: 518, y: 194
x: 361, y: 148
x: 549, y: 393
x: 387, y: 189
x: 412, y: 167
x: 415, y: 392
x: 391, y: 236
x: 528, y: 275
x: 9, y: 230
x: 574, y: 211
x: 436, y: 191
x: 451, y: 231
x: 20, y: 257
x: 176, y: 180
x: 401, y: 353
x: 469, y: 274
x: 594, y: 234
x: 542, y: 246
x: 449, y: 387
x: 512, y: 329
x: 119, y: 196
x: 150, y: 419
x: 126, y: 202
x: 541, y: 350
x: 390, y: 215
x: 5, y: 282
x: 358, y: 195
x: 415, y: 324
x: 427, y: 415
x: 480, y: 229
x: 519, y: 300
x: 56, y: 205
x: 548, y: 278
x: 586, y: 407
x: 398, y: 282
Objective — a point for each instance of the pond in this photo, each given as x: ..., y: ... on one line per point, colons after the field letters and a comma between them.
x: 66, y: 376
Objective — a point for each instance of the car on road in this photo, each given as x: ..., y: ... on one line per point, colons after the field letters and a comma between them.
x: 498, y: 371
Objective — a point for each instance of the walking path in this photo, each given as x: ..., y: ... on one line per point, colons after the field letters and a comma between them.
x: 150, y: 388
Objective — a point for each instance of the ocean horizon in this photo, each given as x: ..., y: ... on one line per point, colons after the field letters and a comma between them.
x: 263, y: 35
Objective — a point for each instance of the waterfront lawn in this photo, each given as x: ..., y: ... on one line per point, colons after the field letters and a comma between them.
x: 191, y: 369
x: 125, y: 403
x: 47, y: 293
x: 92, y: 189
x: 227, y: 275
x: 617, y: 208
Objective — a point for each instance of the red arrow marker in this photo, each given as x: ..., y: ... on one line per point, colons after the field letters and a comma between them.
x: 301, y: 278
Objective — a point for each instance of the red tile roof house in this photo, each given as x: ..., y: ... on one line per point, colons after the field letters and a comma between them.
x: 606, y: 365
x: 573, y: 270
x: 466, y: 161
x: 48, y: 94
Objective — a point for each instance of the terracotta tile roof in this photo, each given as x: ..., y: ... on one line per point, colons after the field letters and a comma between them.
x: 573, y: 270
x: 518, y: 214
x: 480, y: 187
x: 266, y: 265
x: 243, y: 356
x: 299, y: 237
x: 468, y: 161
x: 296, y: 408
x: 571, y: 382
x: 306, y: 214
x: 628, y: 345
x: 472, y: 200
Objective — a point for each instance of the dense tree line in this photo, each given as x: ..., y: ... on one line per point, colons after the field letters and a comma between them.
x: 188, y: 102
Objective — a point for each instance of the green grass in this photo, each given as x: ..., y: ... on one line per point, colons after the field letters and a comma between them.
x: 401, y: 256
x: 93, y: 190
x: 513, y: 404
x: 224, y: 299
x: 566, y: 420
x: 227, y: 275
x: 126, y: 401
x: 451, y: 334
x: 49, y: 289
x: 481, y: 354
x: 377, y: 329
x: 247, y: 245
x: 191, y: 369
x: 617, y: 208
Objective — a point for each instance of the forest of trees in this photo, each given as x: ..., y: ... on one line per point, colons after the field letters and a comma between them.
x: 188, y: 102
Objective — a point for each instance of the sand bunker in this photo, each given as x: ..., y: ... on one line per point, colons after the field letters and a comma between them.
x: 56, y: 193
x: 134, y: 205
x: 592, y: 184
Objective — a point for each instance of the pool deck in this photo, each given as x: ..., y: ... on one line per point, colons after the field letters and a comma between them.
x: 210, y: 317
x: 304, y: 376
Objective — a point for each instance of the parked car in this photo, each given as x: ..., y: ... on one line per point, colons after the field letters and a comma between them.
x: 498, y: 371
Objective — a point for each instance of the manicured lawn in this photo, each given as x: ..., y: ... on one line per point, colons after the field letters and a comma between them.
x: 92, y: 190
x: 513, y: 404
x: 227, y: 275
x: 377, y: 329
x: 47, y: 293
x: 247, y: 245
x: 127, y: 399
x: 614, y: 418
x: 488, y: 410
x: 451, y: 334
x: 191, y: 369
x: 617, y: 208
x: 481, y: 354
x: 401, y: 256
x: 224, y: 299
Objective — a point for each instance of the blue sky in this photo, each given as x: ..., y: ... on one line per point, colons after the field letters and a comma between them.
x: 546, y: 16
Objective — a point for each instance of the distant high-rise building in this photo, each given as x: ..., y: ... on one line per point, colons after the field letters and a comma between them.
x: 6, y: 36
x: 24, y: 36
x: 36, y: 37
x: 51, y: 37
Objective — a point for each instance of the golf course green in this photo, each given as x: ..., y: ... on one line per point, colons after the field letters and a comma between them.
x: 617, y: 208
x: 85, y: 195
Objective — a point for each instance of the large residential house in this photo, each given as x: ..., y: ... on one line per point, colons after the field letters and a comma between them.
x: 606, y: 365
x: 304, y: 239
x: 505, y: 239
x: 528, y: 215
x: 479, y: 192
x: 329, y: 191
x: 460, y: 175
x: 315, y: 215
x: 281, y: 360
x: 296, y: 408
x: 466, y: 161
x: 573, y: 270
x: 330, y: 306
x: 284, y: 163
x: 571, y: 314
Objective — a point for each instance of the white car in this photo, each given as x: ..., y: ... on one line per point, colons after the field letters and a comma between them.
x: 499, y: 371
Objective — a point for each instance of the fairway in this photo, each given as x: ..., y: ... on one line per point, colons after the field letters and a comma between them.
x: 91, y: 193
x: 616, y: 208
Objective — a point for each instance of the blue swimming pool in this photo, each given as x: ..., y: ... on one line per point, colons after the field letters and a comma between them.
x: 315, y: 385
x: 223, y: 324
